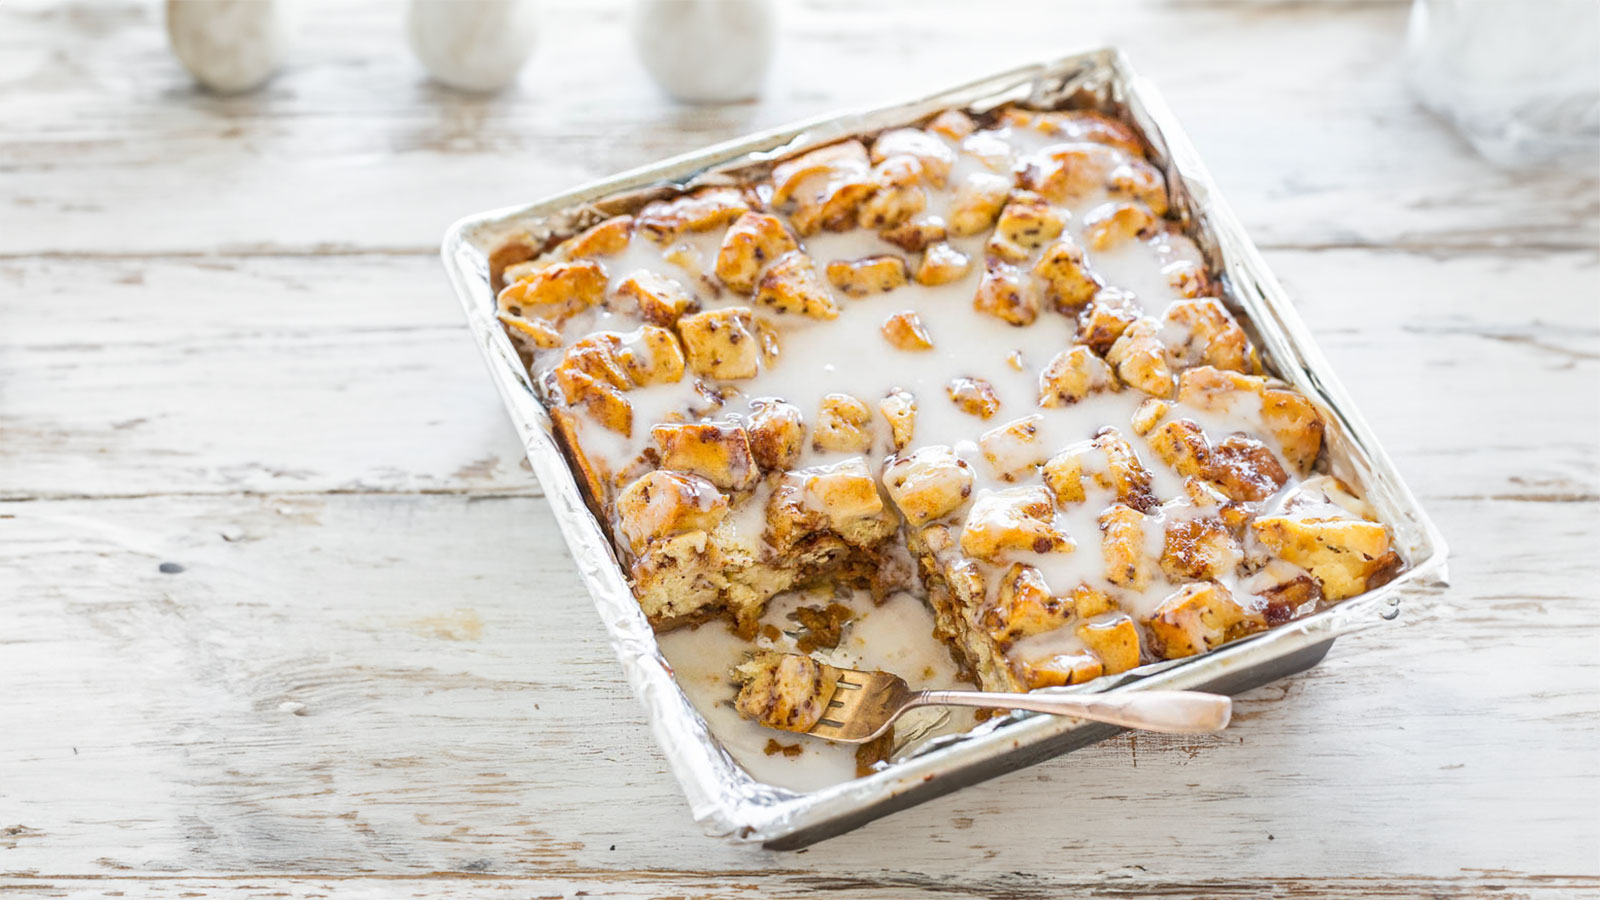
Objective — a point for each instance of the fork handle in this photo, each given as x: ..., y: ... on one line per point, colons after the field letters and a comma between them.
x: 1170, y: 712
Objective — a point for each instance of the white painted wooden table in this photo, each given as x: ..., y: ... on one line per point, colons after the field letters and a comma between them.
x: 226, y: 343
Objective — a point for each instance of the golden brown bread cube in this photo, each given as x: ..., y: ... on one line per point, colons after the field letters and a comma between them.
x: 556, y: 292
x: 897, y: 195
x: 904, y: 331
x: 934, y: 154
x: 536, y: 333
x: 718, y: 453
x: 785, y: 690
x: 1088, y: 602
x: 1026, y: 223
x: 1106, y: 318
x: 1069, y: 171
x: 917, y: 235
x: 973, y: 396
x: 977, y: 203
x: 1114, y: 641
x: 1244, y: 469
x: 1212, y: 337
x: 1060, y: 670
x: 942, y: 264
x: 1295, y: 423
x: 662, y: 504
x: 1284, y: 590
x: 661, y: 301
x: 1014, y: 450
x: 1063, y: 474
x: 606, y: 238
x: 843, y: 425
x: 1141, y: 359
x: 1149, y: 415
x: 953, y: 124
x: 722, y: 343
x: 1111, y: 463
x: 1110, y: 224
x: 868, y: 275
x: 841, y: 498
x: 754, y: 241
x: 1342, y: 554
x: 703, y: 210
x: 1014, y: 520
x: 927, y: 484
x: 1182, y: 445
x: 1188, y: 277
x: 833, y: 161
x: 1198, y: 617
x: 1199, y: 549
x: 1122, y: 546
x: 1072, y: 375
x: 1219, y: 390
x: 1068, y: 282
x: 777, y: 433
x: 792, y: 285
x: 1023, y: 606
x: 824, y: 187
x: 1007, y: 294
x: 677, y: 576
x: 1140, y: 180
x: 650, y: 355
x: 899, y: 409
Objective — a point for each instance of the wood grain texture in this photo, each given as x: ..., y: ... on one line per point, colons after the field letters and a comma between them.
x: 226, y: 343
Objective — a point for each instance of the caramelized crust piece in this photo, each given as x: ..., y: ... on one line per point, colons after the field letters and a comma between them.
x: 536, y: 333
x: 916, y: 236
x: 897, y: 193
x: 777, y: 434
x: 842, y: 499
x: 1211, y: 336
x: 1069, y: 283
x: 1006, y: 295
x: 1141, y: 359
x: 1200, y: 549
x: 703, y: 210
x: 1015, y: 520
x: 927, y: 484
x: 1342, y: 554
x: 1115, y: 641
x: 904, y: 331
x: 953, y: 124
x: 607, y: 238
x: 556, y: 291
x: 1061, y: 670
x: 1108, y: 225
x: 663, y: 504
x: 651, y: 355
x: 661, y: 301
x: 1026, y: 223
x: 718, y: 453
x: 1106, y: 318
x: 1198, y: 617
x: 753, y: 242
x: 792, y: 285
x: 825, y: 187
x: 785, y: 691
x: 934, y: 154
x: 1023, y: 606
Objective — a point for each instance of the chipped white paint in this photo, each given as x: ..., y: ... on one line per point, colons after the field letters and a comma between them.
x: 376, y: 674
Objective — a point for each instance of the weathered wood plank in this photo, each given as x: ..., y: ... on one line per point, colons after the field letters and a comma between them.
x: 355, y: 684
x: 352, y: 149
x: 131, y: 377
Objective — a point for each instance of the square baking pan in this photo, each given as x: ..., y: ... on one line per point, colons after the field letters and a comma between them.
x: 722, y: 796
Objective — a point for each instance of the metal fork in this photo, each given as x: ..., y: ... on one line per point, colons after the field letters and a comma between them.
x: 865, y: 704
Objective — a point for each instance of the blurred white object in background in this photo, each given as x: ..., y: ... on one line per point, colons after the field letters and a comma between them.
x: 473, y: 45
x: 1519, y: 78
x: 706, y: 51
x: 229, y: 45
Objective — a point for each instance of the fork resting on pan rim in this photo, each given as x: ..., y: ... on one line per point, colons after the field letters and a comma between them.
x: 865, y: 704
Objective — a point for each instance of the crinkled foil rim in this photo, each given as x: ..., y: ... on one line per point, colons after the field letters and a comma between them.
x: 722, y: 796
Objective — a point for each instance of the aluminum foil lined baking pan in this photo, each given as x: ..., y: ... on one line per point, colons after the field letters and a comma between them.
x: 722, y: 796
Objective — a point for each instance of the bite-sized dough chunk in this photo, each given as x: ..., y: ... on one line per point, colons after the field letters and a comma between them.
x: 785, y: 690
x: 703, y: 210
x: 1122, y: 546
x: 1110, y: 462
x: 1296, y: 425
x: 843, y: 425
x: 662, y: 504
x: 661, y: 301
x: 718, y: 453
x: 606, y: 238
x: 1141, y: 359
x: 868, y: 275
x: 1285, y: 591
x: 1106, y: 318
x: 977, y: 203
x: 1070, y: 171
x: 1244, y: 469
x: 927, y: 484
x: 1182, y: 445
x: 841, y: 498
x: 1072, y: 375
x: 754, y: 241
x: 1007, y: 294
x: 1076, y: 125
x: 1060, y: 670
x: 792, y: 285
x: 991, y: 148
x: 825, y: 187
x: 1024, y: 606
x: 1189, y: 278
x: 1149, y: 415
x: 1212, y: 337
x: 678, y: 576
x: 1068, y: 280
x: 1342, y: 554
x: 1198, y: 617
x: 973, y: 396
x: 651, y: 355
x: 777, y: 433
x: 904, y: 331
x: 953, y: 124
x: 1026, y: 223
x: 917, y: 235
x: 1199, y: 549
x: 1014, y: 450
x: 942, y: 264
x: 1014, y: 520
x: 1142, y: 181
x: 897, y: 193
x: 536, y: 333
x: 556, y: 292
x: 899, y: 409
x: 934, y: 154
x: 1115, y: 641
x: 722, y: 343
x: 1110, y: 224
x: 590, y: 376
